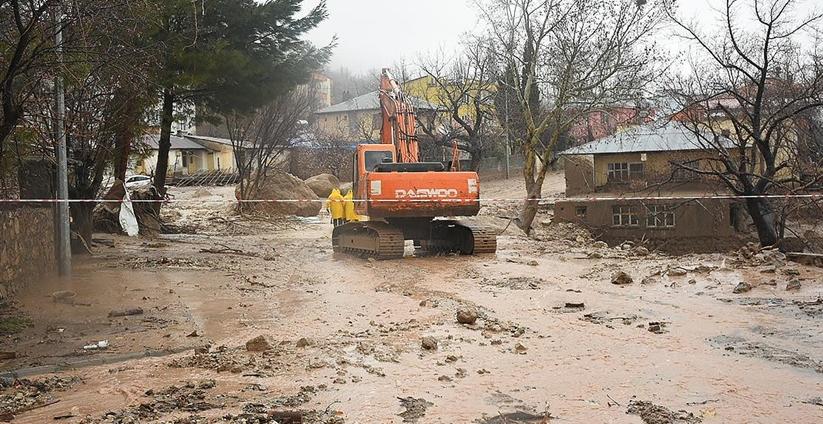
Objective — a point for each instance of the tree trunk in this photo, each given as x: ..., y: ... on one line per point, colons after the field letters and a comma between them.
x: 82, y: 215
x: 164, y: 144
x: 764, y: 220
x: 126, y: 132
x: 530, y: 206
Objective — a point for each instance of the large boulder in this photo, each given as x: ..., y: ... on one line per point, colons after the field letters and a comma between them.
x: 278, y: 185
x: 323, y: 184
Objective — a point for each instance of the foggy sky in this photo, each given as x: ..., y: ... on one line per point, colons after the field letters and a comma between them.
x: 377, y: 33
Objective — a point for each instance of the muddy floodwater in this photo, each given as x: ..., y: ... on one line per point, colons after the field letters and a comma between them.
x: 554, y: 339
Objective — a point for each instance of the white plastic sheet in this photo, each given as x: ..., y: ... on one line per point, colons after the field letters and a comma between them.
x: 128, y: 220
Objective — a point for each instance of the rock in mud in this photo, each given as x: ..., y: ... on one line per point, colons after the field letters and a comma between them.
x: 467, y: 315
x: 655, y: 414
x: 676, y: 272
x: 304, y: 342
x: 649, y: 281
x: 126, y: 312
x: 793, y: 285
x: 414, y: 409
x: 323, y: 184
x: 258, y: 344
x: 520, y: 349
x: 742, y: 287
x: 299, y: 199
x: 642, y: 251
x: 429, y: 343
x: 622, y: 279
x: 600, y: 245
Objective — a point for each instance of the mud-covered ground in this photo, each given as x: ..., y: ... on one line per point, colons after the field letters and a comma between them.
x: 343, y: 338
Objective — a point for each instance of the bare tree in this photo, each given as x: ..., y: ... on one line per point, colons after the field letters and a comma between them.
x: 748, y: 96
x: 561, y: 59
x: 259, y: 140
x: 465, y: 87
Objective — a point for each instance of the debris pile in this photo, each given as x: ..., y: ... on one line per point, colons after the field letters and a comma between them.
x: 656, y: 414
x: 291, y: 195
x: 191, y: 398
x: 19, y: 396
x: 323, y: 184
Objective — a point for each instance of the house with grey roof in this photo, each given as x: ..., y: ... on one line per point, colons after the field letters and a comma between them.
x: 359, y: 119
x: 188, y: 155
x: 650, y: 182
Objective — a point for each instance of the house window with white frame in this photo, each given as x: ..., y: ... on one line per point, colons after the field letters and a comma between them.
x: 625, y: 216
x: 660, y: 217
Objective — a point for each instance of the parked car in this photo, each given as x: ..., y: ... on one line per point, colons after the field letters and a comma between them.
x: 138, y: 181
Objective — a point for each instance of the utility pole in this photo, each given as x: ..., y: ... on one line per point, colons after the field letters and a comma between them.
x: 506, y: 130
x: 63, y: 229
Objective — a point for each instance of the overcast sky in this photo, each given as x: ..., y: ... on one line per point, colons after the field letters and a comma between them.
x: 376, y: 33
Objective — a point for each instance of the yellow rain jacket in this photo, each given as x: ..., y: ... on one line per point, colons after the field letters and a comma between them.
x: 348, y: 208
x: 335, y: 205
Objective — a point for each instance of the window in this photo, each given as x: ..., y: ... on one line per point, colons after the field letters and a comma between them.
x: 581, y: 212
x: 636, y: 171
x: 660, y: 217
x: 679, y: 173
x: 376, y: 158
x: 624, y: 216
x: 618, y: 171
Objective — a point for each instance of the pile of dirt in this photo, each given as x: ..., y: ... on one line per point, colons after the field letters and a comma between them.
x: 323, y: 184
x: 289, y: 195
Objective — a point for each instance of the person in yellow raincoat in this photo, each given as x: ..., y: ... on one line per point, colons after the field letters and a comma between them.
x: 348, y: 208
x: 336, y: 208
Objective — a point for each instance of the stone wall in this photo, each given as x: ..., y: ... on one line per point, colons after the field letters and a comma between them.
x: 27, y: 247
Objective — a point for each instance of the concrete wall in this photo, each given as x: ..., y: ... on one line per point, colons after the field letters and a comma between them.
x: 579, y: 171
x: 27, y: 246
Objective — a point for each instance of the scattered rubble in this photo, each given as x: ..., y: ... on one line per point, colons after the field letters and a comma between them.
x: 18, y: 396
x: 656, y: 414
x: 415, y: 409
x: 758, y: 349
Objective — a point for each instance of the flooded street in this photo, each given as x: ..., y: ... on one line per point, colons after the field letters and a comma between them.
x: 553, y: 338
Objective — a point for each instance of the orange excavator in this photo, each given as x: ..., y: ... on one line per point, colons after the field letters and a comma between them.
x: 403, y: 199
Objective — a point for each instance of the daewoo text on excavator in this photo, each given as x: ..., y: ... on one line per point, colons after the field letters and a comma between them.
x: 403, y: 199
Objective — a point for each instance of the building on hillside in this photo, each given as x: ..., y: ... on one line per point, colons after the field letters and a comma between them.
x: 320, y: 85
x: 188, y: 155
x: 632, y: 186
x: 360, y: 118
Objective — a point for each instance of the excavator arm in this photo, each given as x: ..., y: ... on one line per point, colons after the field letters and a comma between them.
x: 399, y: 120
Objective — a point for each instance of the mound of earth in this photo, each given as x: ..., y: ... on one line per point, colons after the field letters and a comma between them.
x: 323, y: 184
x: 298, y: 198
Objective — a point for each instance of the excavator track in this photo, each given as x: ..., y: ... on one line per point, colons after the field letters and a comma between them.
x: 372, y: 239
x: 461, y: 237
x: 484, y: 238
